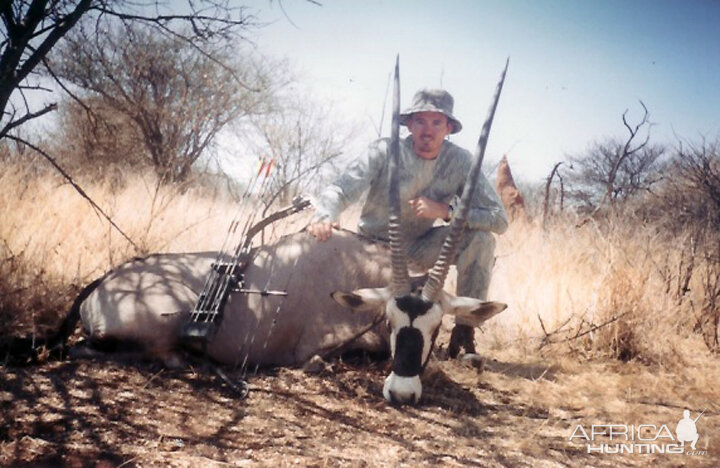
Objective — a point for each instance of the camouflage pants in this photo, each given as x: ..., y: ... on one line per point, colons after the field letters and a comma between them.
x: 474, y: 260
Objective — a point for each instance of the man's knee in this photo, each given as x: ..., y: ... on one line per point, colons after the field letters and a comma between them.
x: 478, y: 244
x: 475, y: 247
x: 475, y: 262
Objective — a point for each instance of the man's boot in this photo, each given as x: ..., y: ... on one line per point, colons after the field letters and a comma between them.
x: 462, y: 336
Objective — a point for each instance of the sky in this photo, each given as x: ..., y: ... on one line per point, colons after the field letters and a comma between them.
x: 575, y: 67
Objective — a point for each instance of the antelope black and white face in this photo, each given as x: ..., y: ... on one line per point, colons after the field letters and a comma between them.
x: 414, y: 323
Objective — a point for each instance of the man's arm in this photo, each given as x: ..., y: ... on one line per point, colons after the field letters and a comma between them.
x: 486, y: 210
x: 322, y: 230
x: 346, y: 189
x: 425, y: 207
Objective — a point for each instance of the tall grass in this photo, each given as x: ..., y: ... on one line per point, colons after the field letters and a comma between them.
x: 52, y: 241
x: 614, y: 289
x: 611, y: 290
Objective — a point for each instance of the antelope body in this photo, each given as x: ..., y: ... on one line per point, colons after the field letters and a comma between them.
x: 147, y: 301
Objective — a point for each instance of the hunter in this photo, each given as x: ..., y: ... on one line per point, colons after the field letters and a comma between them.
x: 432, y: 175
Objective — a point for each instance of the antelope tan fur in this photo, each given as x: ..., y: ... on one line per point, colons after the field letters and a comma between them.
x: 145, y: 302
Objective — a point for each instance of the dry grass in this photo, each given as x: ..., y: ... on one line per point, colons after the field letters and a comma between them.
x: 517, y: 413
x: 559, y: 283
x: 593, y: 291
x: 644, y: 367
x: 52, y: 241
x: 46, y: 220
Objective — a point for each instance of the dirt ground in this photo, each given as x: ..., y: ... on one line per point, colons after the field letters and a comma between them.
x: 517, y: 412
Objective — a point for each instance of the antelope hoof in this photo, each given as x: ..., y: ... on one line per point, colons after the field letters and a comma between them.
x: 315, y: 365
x: 173, y: 361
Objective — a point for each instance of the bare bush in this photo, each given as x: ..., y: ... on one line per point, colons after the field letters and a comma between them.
x: 93, y: 140
x: 169, y: 100
x: 690, y: 194
x: 686, y: 208
x: 707, y: 321
x: 304, y: 143
x: 615, y: 170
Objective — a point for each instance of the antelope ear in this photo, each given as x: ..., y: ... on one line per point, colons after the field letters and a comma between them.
x: 472, y: 310
x: 362, y: 299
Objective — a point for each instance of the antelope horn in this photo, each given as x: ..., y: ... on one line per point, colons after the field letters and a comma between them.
x: 400, y: 278
x: 439, y: 271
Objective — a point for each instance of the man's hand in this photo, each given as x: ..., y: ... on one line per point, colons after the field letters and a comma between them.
x: 430, y: 209
x: 322, y: 230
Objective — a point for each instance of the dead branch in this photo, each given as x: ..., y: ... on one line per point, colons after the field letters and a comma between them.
x: 673, y: 405
x: 546, y: 341
x: 547, y: 191
x: 685, y: 271
x: 74, y: 184
x: 626, y: 152
x: 29, y: 116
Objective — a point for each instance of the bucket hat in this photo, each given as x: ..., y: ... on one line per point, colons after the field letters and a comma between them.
x: 432, y: 100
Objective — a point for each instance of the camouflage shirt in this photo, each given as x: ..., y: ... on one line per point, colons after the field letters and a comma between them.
x: 441, y: 179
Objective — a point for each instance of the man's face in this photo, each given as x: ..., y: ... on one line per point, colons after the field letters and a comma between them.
x: 428, y: 130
